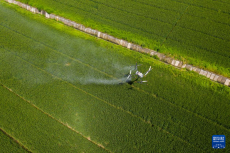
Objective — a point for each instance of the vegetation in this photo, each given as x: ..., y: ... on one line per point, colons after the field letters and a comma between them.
x: 193, y: 30
x: 7, y: 144
x: 36, y: 131
x: 203, y: 34
x: 53, y: 82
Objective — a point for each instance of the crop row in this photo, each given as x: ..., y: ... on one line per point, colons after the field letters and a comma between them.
x: 105, y: 124
x: 199, y: 54
x: 120, y: 19
x: 60, y: 67
x: 8, y: 144
x: 143, y: 11
x: 108, y: 125
x: 208, y: 27
x: 91, y: 57
x: 210, y: 15
x: 121, y: 42
x: 213, y: 5
x: 98, y: 120
x: 126, y: 8
x: 166, y: 5
x: 224, y: 1
x: 61, y: 71
x: 160, y: 31
x: 124, y: 43
x: 123, y: 19
x: 210, y: 45
x: 47, y: 89
x: 202, y: 34
x: 157, y: 114
x: 37, y: 131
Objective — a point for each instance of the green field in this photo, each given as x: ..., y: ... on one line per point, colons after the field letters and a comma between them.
x: 8, y: 144
x: 60, y: 92
x: 192, y: 30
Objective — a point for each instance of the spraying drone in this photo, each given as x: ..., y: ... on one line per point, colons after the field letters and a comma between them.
x: 138, y: 74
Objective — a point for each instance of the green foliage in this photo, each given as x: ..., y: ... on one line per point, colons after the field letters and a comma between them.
x: 201, y: 35
x: 200, y: 43
x: 176, y: 111
x: 156, y: 57
x: 37, y: 131
x: 7, y: 144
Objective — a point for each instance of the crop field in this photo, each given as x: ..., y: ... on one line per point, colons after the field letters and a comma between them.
x: 192, y: 30
x: 61, y: 91
x: 9, y: 145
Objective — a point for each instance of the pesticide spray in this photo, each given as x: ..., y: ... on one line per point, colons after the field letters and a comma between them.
x: 76, y: 71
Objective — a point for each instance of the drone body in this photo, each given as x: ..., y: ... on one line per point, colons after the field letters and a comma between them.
x: 138, y: 74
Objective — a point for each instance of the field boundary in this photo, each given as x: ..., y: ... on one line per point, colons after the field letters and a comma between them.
x: 114, y: 106
x: 15, y: 140
x: 175, y: 25
x: 59, y: 121
x: 162, y: 57
x: 118, y: 107
x: 152, y: 94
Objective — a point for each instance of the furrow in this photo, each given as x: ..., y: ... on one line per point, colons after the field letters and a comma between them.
x: 152, y: 94
x: 195, y: 114
x: 15, y: 140
x: 141, y: 2
x: 114, y: 106
x: 145, y: 31
x: 56, y: 51
x: 174, y: 25
x: 65, y: 124
x: 131, y: 12
x: 200, y: 6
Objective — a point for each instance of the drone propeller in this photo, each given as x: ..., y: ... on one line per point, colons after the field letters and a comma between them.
x: 136, y: 66
x: 129, y: 76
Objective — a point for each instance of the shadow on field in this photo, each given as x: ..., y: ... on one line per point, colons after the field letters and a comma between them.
x: 130, y: 82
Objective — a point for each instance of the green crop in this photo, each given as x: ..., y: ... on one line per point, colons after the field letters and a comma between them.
x: 197, y: 31
x: 8, y: 144
x: 60, y: 89
x: 36, y: 131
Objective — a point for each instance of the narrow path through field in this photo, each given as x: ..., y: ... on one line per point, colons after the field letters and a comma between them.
x: 200, y: 6
x: 221, y: 1
x: 144, y: 16
x: 174, y: 25
x: 152, y: 94
x: 41, y: 68
x: 113, y: 20
x: 186, y: 14
x: 65, y: 124
x: 15, y: 140
x: 156, y: 6
x: 114, y: 106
